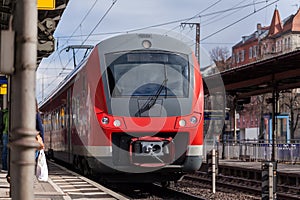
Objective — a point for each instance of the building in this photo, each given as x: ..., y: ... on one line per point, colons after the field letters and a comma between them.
x: 248, y: 50
x: 281, y: 36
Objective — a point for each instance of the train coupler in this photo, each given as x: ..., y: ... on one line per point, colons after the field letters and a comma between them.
x: 152, y: 151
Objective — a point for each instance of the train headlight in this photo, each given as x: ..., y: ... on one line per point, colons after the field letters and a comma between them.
x: 182, y: 123
x: 105, y: 120
x: 188, y: 121
x: 146, y: 44
x: 117, y: 123
x: 193, y: 120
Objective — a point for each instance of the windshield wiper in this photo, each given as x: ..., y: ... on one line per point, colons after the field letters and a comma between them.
x: 151, y: 101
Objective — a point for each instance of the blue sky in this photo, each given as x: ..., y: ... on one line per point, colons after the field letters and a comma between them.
x: 241, y: 18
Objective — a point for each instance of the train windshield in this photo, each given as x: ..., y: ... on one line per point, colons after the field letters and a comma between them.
x: 143, y: 73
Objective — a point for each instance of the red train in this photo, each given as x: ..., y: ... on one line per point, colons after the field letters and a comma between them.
x: 133, y: 108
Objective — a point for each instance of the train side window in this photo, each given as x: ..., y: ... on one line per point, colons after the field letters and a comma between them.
x: 44, y: 120
x: 53, y: 120
x: 49, y: 122
x: 75, y: 109
x: 62, y: 117
x: 57, y: 120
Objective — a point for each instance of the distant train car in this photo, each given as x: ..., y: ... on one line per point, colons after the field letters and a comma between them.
x: 134, y: 108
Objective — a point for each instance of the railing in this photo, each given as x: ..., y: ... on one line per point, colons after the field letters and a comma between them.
x: 256, y: 151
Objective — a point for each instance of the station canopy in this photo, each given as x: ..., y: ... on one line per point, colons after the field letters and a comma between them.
x: 280, y: 72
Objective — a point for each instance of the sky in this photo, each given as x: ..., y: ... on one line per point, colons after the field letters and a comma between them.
x: 222, y: 24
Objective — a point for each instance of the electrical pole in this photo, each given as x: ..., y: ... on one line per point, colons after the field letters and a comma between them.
x: 197, y: 46
x: 23, y: 112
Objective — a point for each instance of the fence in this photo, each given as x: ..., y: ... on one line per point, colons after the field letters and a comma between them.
x: 257, y: 151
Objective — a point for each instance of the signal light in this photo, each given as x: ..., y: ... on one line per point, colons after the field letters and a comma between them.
x: 117, y: 123
x: 105, y: 120
x: 110, y: 122
x: 182, y: 123
x: 193, y: 120
x: 188, y: 121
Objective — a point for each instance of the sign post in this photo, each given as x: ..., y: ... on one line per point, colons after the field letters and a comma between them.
x: 46, y: 4
x: 268, y: 190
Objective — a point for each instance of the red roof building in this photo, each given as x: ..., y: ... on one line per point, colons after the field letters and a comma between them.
x: 280, y: 37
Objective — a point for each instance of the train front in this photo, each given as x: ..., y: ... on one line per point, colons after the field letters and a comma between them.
x: 149, y: 104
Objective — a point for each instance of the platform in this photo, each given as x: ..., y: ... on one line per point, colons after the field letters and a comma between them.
x: 43, y: 190
x: 63, y: 184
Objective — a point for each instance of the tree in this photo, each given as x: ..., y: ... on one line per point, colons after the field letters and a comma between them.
x: 220, y: 55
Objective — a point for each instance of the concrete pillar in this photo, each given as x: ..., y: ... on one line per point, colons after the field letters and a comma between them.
x: 22, y: 136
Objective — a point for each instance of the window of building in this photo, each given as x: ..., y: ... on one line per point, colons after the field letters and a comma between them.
x: 285, y: 44
x: 255, y: 51
x: 289, y: 43
x: 265, y: 49
x: 233, y: 57
x: 250, y: 52
x: 273, y: 48
x: 237, y: 58
x: 242, y: 55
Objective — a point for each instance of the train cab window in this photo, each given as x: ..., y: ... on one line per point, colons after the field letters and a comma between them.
x: 150, y: 72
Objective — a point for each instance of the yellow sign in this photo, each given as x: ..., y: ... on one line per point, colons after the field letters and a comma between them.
x: 46, y: 4
x: 3, y: 89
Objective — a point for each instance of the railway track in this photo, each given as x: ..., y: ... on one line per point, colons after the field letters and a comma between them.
x: 249, y: 186
x: 129, y: 190
x: 152, y: 191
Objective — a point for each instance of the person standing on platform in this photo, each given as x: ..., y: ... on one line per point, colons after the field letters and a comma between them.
x: 39, y: 127
x: 5, y: 140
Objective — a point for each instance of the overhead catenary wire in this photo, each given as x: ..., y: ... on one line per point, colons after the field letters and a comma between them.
x: 239, y: 20
x: 95, y: 27
x: 215, y: 18
x: 83, y: 19
x: 102, y: 18
x: 163, y: 24
x: 99, y: 22
x: 197, y: 15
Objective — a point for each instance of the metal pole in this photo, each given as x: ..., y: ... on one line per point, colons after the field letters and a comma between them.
x: 198, y: 42
x: 273, y: 158
x: 213, y: 171
x: 197, y: 47
x: 234, y: 120
x: 23, y: 112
